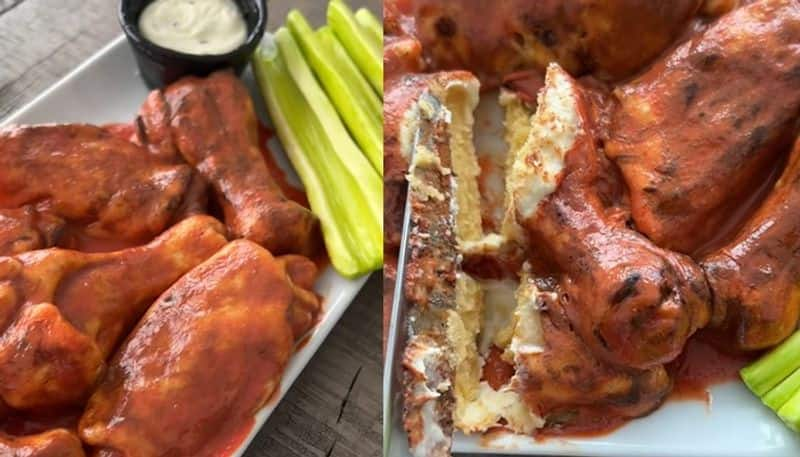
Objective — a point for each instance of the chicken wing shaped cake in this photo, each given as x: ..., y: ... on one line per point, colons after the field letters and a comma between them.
x: 130, y: 323
x: 643, y: 202
x: 213, y: 347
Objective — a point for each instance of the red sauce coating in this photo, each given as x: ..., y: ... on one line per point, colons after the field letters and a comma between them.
x: 75, y: 238
x: 586, y: 423
x: 234, y: 441
x: 496, y: 371
x: 278, y: 174
x: 20, y: 423
x: 489, y: 199
x: 702, y: 365
x: 302, y: 342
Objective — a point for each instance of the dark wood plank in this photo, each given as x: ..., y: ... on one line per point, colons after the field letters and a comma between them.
x: 334, y: 407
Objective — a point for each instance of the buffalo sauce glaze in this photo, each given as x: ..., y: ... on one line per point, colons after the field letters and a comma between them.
x: 278, y: 174
x: 17, y: 423
x: 74, y: 237
x: 496, y: 371
x: 702, y: 365
x: 743, y: 211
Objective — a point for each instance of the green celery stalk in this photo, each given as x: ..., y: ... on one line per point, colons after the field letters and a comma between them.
x: 769, y: 370
x: 357, y: 43
x: 345, y: 206
x: 370, y: 139
x: 350, y: 93
x: 370, y: 24
x: 790, y: 412
x: 357, y: 164
x: 781, y: 393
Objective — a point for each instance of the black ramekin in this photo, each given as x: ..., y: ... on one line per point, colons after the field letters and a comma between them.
x: 160, y: 66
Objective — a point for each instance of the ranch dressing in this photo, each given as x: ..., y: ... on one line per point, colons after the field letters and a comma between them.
x: 194, y: 26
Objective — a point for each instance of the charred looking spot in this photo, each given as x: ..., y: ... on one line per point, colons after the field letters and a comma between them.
x: 518, y: 38
x: 759, y: 136
x: 540, y: 30
x: 600, y: 338
x: 668, y: 168
x: 690, y: 93
x: 708, y: 60
x: 665, y: 291
x: 446, y: 27
x: 141, y: 130
x: 546, y: 36
x: 794, y: 73
x: 628, y: 288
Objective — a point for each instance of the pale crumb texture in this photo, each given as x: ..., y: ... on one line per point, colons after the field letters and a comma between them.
x: 517, y: 125
x: 461, y: 97
x: 554, y: 128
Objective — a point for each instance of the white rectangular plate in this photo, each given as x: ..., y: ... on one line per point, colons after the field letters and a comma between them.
x: 733, y: 424
x: 107, y: 88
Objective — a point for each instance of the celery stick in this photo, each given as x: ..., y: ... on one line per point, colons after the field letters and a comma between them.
x: 765, y: 373
x: 357, y: 163
x: 370, y: 24
x: 356, y: 103
x: 790, y: 412
x: 781, y: 393
x: 370, y: 139
x: 357, y: 43
x: 353, y: 235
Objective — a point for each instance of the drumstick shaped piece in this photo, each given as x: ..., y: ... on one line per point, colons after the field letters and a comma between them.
x: 53, y: 443
x: 215, y: 129
x: 63, y: 312
x: 23, y: 229
x: 632, y: 303
x: 756, y: 277
x: 204, y: 358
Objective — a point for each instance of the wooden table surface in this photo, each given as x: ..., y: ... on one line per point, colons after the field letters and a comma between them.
x: 334, y: 409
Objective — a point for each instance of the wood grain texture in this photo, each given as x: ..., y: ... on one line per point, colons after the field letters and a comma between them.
x: 334, y: 408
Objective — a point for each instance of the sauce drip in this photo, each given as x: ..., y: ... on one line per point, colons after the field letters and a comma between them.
x: 584, y: 422
x: 701, y: 365
x: 496, y: 371
x: 231, y: 442
x: 491, y: 172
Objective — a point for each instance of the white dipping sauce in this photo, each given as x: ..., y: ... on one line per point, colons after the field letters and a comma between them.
x: 194, y: 26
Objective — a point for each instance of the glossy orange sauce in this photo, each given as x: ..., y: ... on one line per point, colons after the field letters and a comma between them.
x: 702, y: 365
x: 278, y: 174
x: 74, y: 237
x: 588, y: 423
x: 742, y: 211
x: 231, y: 442
x: 699, y: 367
x: 123, y: 130
x: 496, y: 371
x: 19, y: 423
x: 489, y: 199
x: 302, y: 342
